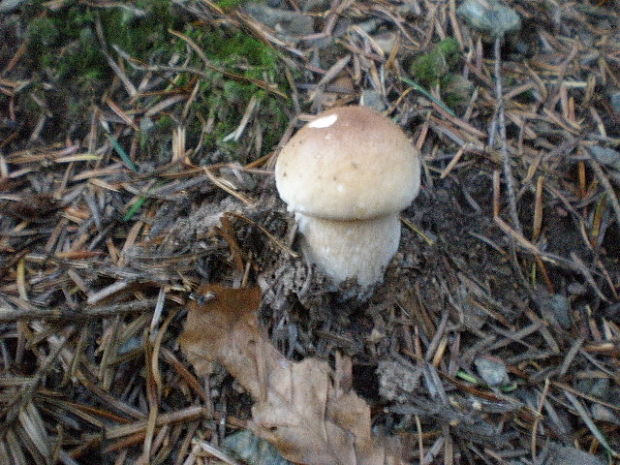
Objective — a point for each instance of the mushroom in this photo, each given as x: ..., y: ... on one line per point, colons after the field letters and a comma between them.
x: 346, y: 175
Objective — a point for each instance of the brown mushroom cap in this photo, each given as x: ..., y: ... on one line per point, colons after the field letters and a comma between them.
x: 349, y: 163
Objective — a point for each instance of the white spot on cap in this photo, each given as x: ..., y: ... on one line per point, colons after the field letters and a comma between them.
x: 324, y: 122
x: 340, y: 188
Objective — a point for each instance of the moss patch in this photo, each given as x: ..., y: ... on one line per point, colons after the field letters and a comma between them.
x: 64, y: 43
x: 225, y: 98
x: 66, y: 51
x: 430, y: 68
x: 230, y: 4
x: 439, y: 68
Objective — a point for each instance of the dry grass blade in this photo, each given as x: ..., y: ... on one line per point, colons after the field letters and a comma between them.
x: 103, y: 311
x: 603, y: 179
x: 226, y: 186
x: 590, y: 424
x: 506, y: 161
x: 215, y: 452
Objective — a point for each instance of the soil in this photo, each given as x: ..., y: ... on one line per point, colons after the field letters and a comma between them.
x: 104, y: 237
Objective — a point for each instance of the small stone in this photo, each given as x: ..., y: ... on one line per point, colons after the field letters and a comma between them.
x: 385, y: 41
x: 606, y: 156
x: 397, y: 380
x: 615, y: 101
x: 560, y: 309
x: 489, y: 17
x: 554, y: 308
x: 492, y: 370
x: 373, y: 99
x: 146, y: 124
x: 602, y: 413
x: 250, y: 448
x: 562, y: 455
x: 598, y: 388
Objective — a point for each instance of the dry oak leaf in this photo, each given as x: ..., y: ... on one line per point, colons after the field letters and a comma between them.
x: 305, y: 409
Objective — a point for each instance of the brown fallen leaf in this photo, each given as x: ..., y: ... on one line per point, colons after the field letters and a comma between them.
x: 305, y: 409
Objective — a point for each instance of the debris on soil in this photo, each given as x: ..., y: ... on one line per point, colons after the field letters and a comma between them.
x: 397, y: 379
x: 137, y: 147
x: 307, y: 410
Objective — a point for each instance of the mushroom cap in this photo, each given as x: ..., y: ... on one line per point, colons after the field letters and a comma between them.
x: 349, y: 163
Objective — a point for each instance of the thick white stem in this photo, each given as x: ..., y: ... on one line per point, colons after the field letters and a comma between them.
x: 359, y: 249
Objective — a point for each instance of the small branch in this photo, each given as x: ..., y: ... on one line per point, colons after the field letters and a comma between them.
x: 103, y: 311
x: 510, y: 189
x: 600, y: 174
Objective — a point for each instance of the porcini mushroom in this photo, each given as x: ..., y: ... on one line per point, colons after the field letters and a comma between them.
x: 346, y: 175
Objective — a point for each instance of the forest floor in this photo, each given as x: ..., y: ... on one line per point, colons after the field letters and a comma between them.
x: 137, y: 145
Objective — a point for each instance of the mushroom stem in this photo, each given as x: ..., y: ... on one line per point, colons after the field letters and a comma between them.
x: 359, y: 249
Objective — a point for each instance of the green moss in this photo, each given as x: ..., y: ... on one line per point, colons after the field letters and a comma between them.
x: 225, y: 98
x: 61, y: 43
x: 455, y: 90
x: 64, y: 42
x: 141, y: 28
x: 231, y: 47
x: 65, y: 51
x: 165, y: 123
x: 230, y: 4
x: 42, y: 32
x: 428, y: 69
x: 438, y: 68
